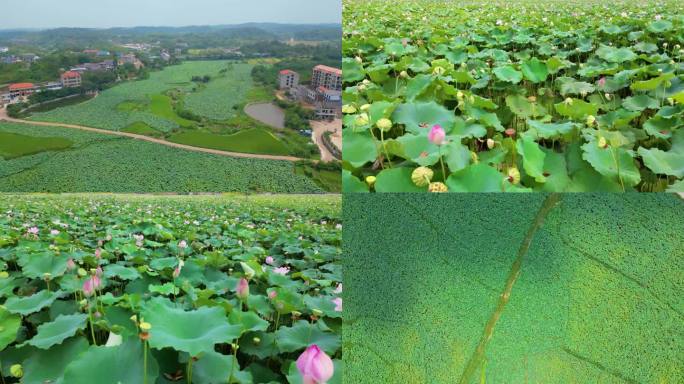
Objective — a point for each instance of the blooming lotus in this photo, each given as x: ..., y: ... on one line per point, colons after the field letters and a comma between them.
x: 269, y: 260
x: 281, y: 270
x: 182, y: 244
x: 436, y: 134
x: 315, y: 366
x: 338, y: 304
x: 338, y: 289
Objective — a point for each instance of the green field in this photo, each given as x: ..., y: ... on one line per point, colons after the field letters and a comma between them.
x: 16, y: 145
x: 104, y: 163
x: 583, y: 290
x: 62, y: 333
x: 141, y: 128
x: 162, y: 106
x: 217, y: 99
x: 249, y: 141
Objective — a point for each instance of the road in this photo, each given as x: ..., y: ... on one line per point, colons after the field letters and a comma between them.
x: 318, y: 128
x: 3, y: 116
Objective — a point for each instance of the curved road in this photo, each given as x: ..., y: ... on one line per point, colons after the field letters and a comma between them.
x: 3, y: 116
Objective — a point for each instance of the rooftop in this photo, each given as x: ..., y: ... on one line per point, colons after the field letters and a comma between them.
x: 286, y: 72
x: 18, y: 86
x: 70, y: 74
x: 325, y: 68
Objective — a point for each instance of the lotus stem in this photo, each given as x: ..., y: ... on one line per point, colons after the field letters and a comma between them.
x: 145, y: 362
x: 384, y: 147
x: 189, y: 370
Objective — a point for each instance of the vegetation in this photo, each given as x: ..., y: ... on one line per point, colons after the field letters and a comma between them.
x: 513, y: 288
x: 486, y: 96
x: 326, y: 175
x: 14, y: 145
x: 246, y: 141
x: 204, y: 290
x: 103, y: 163
x: 296, y: 117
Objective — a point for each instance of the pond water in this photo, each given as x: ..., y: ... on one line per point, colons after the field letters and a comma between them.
x: 268, y: 113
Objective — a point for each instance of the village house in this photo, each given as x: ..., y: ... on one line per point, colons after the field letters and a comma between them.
x: 4, y: 49
x: 71, y: 79
x: 21, y: 90
x: 287, y: 79
x: 328, y: 77
x: 130, y: 59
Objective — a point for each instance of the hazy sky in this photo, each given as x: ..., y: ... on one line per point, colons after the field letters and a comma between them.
x: 127, y: 13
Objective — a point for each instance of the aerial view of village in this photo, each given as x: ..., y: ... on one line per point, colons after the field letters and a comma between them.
x: 251, y: 107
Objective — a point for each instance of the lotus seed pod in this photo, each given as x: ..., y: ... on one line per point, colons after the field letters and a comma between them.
x: 403, y: 74
x: 438, y: 71
x: 364, y: 107
x: 491, y: 143
x: 422, y: 176
x: 348, y: 108
x: 437, y: 187
x: 4, y: 275
x: 608, y: 96
x: 602, y: 142
x: 568, y: 101
x: 17, y: 371
x: 82, y: 272
x: 361, y: 120
x: 370, y: 180
x: 256, y: 340
x: 532, y: 99
x: 317, y: 312
x: 590, y: 120
x: 459, y: 95
x: 145, y: 326
x: 513, y: 175
x: 384, y: 124
x: 361, y: 87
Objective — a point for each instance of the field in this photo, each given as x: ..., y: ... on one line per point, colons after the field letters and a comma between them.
x: 90, y: 162
x: 155, y: 106
x: 513, y: 288
x: 166, y: 304
x: 523, y: 95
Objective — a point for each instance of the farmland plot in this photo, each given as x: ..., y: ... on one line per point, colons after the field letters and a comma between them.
x: 487, y: 96
x: 131, y: 289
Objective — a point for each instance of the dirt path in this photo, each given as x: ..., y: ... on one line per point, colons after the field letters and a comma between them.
x: 320, y: 127
x: 3, y: 116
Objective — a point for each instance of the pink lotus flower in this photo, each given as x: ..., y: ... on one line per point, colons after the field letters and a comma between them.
x: 338, y: 304
x: 88, y: 288
x: 315, y: 366
x: 269, y: 260
x: 70, y: 264
x: 272, y: 295
x: 183, y: 244
x: 98, y: 271
x: 338, y: 289
x: 98, y: 253
x: 54, y: 232
x: 281, y: 270
x: 33, y: 231
x: 436, y: 134
x: 242, y: 290
x: 602, y: 82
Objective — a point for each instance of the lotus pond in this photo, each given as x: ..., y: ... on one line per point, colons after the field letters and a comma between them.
x: 523, y: 95
x: 513, y: 288
x: 167, y: 289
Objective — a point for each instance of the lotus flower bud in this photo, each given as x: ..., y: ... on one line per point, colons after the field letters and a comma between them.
x: 361, y: 87
x: 568, y: 101
x: 348, y: 109
x: 361, y: 120
x: 602, y: 142
x: 670, y: 100
x: 365, y: 107
x: 459, y: 96
x: 491, y: 143
x: 370, y: 180
x: 17, y: 371
x: 242, y: 290
x: 4, y: 275
x: 422, y: 176
x: 590, y: 120
x: 403, y: 74
x: 510, y: 132
x: 145, y: 326
x: 438, y: 71
x: 315, y: 366
x: 437, y: 187
x: 384, y: 124
x: 513, y: 175
x: 317, y: 312
x: 358, y: 59
x: 436, y: 134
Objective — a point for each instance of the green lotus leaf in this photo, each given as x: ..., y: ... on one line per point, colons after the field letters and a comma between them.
x: 215, y: 368
x: 615, y: 55
x: 663, y: 163
x: 617, y: 119
x: 462, y: 77
x: 419, y: 149
x: 324, y: 304
x: 47, y: 366
x: 476, y: 178
x: 112, y: 365
x: 9, y: 326
x: 193, y: 331
x: 352, y: 71
x: 396, y: 180
x: 660, y: 127
x: 121, y: 272
x: 266, y: 347
x: 615, y: 163
x: 379, y: 110
x: 640, y: 102
x: 550, y: 130
x: 351, y: 183
x: 555, y: 171
x: 481, y: 102
x: 508, y: 73
x: 555, y: 64
x: 534, y: 70
x: 165, y: 289
x: 379, y: 73
x: 56, y: 331
x: 248, y: 321
x: 417, y: 85
x: 417, y: 65
x: 578, y: 109
x: 359, y: 148
x: 646, y: 47
x: 669, y: 112
x: 489, y: 119
x: 533, y: 158
x: 418, y: 116
x: 37, y: 265
x: 676, y: 187
x: 523, y: 107
x: 660, y: 26
x: 456, y: 155
x: 30, y: 304
x: 457, y: 57
x: 302, y: 334
x: 569, y: 86
x: 651, y: 84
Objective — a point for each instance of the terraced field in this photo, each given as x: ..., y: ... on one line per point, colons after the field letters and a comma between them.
x: 574, y: 288
x: 91, y: 162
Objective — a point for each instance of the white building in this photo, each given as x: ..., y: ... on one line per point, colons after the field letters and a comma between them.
x: 288, y: 79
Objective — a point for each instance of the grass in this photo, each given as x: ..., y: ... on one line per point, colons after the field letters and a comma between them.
x: 329, y: 180
x: 13, y: 145
x: 425, y: 274
x: 161, y: 106
x: 59, y: 103
x: 247, y: 141
x: 131, y: 106
x: 141, y: 128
